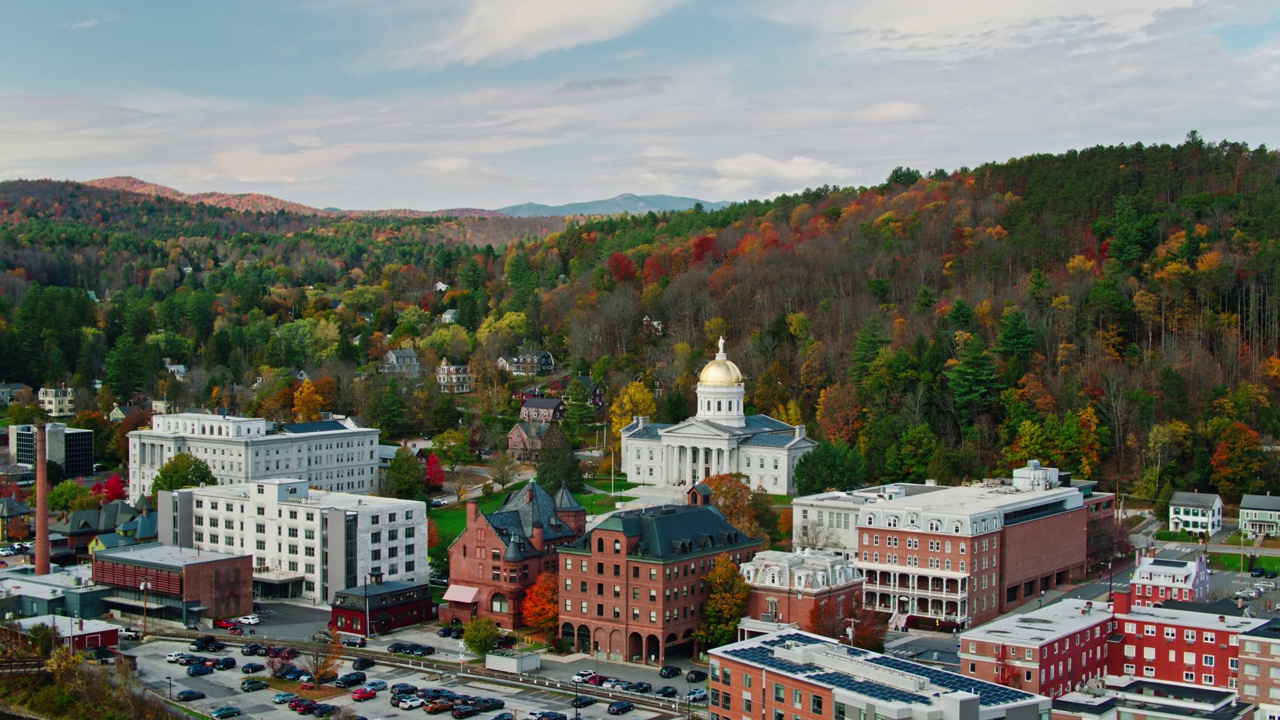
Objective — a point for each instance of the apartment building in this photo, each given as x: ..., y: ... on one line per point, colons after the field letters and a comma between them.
x: 1138, y: 699
x: 328, y: 454
x: 57, y: 401
x: 453, y: 379
x: 305, y: 543
x: 785, y: 586
x: 1259, y: 650
x: 829, y: 520
x: 633, y: 585
x: 960, y: 556
x: 791, y: 675
x: 1156, y: 580
x: 1048, y: 651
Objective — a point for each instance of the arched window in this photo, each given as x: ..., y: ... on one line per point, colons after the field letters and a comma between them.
x: 499, y: 603
x: 617, y: 546
x: 600, y: 544
x: 935, y: 525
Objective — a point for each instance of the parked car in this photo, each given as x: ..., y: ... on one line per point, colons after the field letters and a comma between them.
x: 361, y: 664
x: 297, y: 702
x: 695, y: 676
x: 410, y: 702
x: 237, y: 631
x: 435, y: 707
x: 613, y: 683
x: 306, y: 707
x: 361, y: 694
x: 505, y: 716
x: 281, y: 698
x: 226, y: 711
x: 464, y: 711
x: 490, y: 704
x: 397, y: 697
x: 198, y: 670
x: 669, y: 671
x: 251, y: 684
x: 225, y: 623
x: 582, y: 701
x: 354, y: 641
x: 294, y: 674
x: 640, y: 687
x: 456, y: 633
x: 696, y: 695
x: 404, y: 689
x: 289, y: 653
x: 324, y: 710
x: 249, y: 619
x: 351, y: 679
x: 666, y: 691
x: 189, y: 695
x: 424, y: 650
x: 320, y: 637
x: 250, y: 649
x: 1257, y: 572
x: 620, y: 707
x: 202, y: 644
x: 438, y: 502
x: 130, y: 634
x: 225, y: 663
x: 284, y: 669
x: 444, y: 632
x: 173, y: 657
x: 376, y: 685
x: 582, y: 676
x: 1271, y: 574
x: 506, y: 642
x: 396, y: 648
x: 597, y: 680
x: 250, y: 668
x: 410, y: 649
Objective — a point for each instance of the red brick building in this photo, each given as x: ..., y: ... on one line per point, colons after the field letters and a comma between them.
x: 1048, y: 651
x: 380, y: 607
x: 632, y: 587
x: 785, y: 587
x: 500, y: 555
x: 183, y: 584
x: 79, y: 634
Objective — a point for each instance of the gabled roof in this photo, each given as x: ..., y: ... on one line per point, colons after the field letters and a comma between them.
x: 1193, y: 499
x: 532, y: 429
x: 1260, y: 502
x: 403, y: 354
x: 565, y: 500
x: 769, y: 440
x: 650, y: 431
x: 522, y: 510
x: 543, y: 403
x: 668, y: 532
x: 13, y: 508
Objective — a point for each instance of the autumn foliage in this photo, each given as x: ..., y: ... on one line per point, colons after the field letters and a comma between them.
x: 540, y: 608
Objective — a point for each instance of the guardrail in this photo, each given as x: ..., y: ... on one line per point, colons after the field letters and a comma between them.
x: 9, y: 668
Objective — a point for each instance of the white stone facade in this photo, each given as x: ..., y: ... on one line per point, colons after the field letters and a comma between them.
x: 288, y: 527
x: 809, y: 570
x: 327, y: 454
x: 57, y: 402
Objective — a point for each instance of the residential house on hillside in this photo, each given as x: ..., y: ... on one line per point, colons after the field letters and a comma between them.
x: 119, y: 413
x: 542, y: 409
x: 9, y: 391
x: 440, y: 287
x: 524, y: 440
x: 11, y: 510
x: 453, y: 379
x: 1260, y: 515
x: 1195, y: 512
x: 528, y: 364
x: 57, y: 402
x: 81, y: 527
x: 400, y: 362
x: 595, y: 394
x: 651, y: 327
x: 449, y: 317
x: 177, y: 370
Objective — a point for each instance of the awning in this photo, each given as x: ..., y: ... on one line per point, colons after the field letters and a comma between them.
x: 461, y: 594
x: 130, y: 602
x: 277, y: 577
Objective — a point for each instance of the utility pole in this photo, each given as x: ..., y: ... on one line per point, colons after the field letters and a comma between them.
x: 144, y: 586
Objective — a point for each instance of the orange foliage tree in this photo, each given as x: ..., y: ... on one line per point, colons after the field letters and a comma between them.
x: 541, y: 606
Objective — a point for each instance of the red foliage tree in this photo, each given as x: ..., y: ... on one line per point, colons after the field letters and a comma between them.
x: 705, y: 247
x: 110, y: 490
x: 540, y: 609
x: 653, y: 270
x: 433, y: 474
x: 621, y: 267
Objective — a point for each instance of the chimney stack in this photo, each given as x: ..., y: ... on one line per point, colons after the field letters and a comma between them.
x: 42, y: 504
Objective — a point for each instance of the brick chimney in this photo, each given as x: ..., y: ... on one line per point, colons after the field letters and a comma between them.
x: 1120, y: 602
x: 42, y: 504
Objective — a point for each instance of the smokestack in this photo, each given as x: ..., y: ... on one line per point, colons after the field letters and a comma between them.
x: 42, y: 504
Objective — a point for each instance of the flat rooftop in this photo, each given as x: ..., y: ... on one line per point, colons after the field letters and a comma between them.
x: 165, y: 557
x: 976, y: 499
x: 1191, y: 618
x: 67, y: 626
x: 318, y: 499
x: 1043, y: 625
x: 886, y: 681
x: 1150, y: 697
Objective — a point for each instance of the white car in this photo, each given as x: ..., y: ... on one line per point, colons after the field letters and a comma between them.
x: 173, y: 657
x: 248, y: 620
x: 583, y: 675
x: 7, y: 552
x: 613, y: 684
x: 132, y: 634
x: 411, y: 703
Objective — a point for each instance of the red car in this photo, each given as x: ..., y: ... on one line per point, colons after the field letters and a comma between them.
x: 361, y: 694
x: 225, y: 624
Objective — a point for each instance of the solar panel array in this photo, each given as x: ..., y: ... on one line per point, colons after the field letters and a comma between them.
x: 793, y: 638
x: 988, y: 693
x: 869, y: 689
x: 765, y: 657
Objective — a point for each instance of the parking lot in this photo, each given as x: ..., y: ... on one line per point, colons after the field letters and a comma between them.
x: 223, y: 687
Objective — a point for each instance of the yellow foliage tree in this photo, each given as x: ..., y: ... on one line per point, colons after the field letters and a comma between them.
x: 634, y: 400
x: 307, y: 402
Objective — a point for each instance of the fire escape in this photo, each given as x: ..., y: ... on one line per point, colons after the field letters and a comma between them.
x: 1006, y: 674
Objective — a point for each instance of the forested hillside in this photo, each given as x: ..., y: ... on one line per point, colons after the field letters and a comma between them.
x: 1112, y: 311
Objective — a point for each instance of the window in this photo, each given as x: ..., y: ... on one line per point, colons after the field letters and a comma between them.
x: 797, y: 698
x: 815, y: 705
x: 777, y: 692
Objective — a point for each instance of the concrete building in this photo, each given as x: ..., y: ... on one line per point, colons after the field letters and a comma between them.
x: 786, y: 586
x: 303, y: 543
x: 378, y: 608
x: 57, y: 402
x: 960, y: 556
x: 328, y: 454
x: 1195, y: 513
x: 183, y: 584
x: 1156, y: 580
x: 72, y: 449
x: 792, y: 675
x: 633, y: 587
x: 829, y: 520
x: 453, y: 379
x: 1260, y: 515
x: 1139, y: 699
x: 1049, y: 651
x: 499, y: 556
x: 721, y: 438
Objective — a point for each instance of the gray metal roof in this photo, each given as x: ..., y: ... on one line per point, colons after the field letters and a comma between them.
x: 1193, y: 499
x: 667, y: 532
x: 1260, y: 502
x: 769, y: 440
x: 543, y: 403
x: 519, y: 513
x: 310, y: 427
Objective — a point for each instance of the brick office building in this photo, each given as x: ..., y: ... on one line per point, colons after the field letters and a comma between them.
x: 500, y: 555
x: 791, y: 675
x: 1260, y: 668
x: 184, y: 584
x: 1048, y: 651
x: 380, y: 607
x: 786, y: 586
x: 1157, y: 580
x: 632, y: 586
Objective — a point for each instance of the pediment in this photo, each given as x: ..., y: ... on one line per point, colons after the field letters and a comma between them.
x: 694, y: 428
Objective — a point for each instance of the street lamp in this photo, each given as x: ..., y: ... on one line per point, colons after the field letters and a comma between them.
x: 144, y: 586
x: 170, y: 679
x: 1041, y: 601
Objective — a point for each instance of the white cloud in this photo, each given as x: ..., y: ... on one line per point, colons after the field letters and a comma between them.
x: 485, y: 31
x: 88, y: 22
x: 737, y: 177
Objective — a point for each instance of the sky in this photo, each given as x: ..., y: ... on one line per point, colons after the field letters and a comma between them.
x: 429, y: 104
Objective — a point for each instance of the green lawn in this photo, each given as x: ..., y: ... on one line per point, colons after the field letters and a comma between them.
x: 450, y: 521
x: 603, y: 484
x: 1234, y: 539
x: 597, y: 504
x: 1231, y: 562
x: 1171, y: 536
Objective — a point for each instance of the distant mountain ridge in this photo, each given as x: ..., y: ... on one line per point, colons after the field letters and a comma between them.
x: 625, y: 203
x: 256, y: 202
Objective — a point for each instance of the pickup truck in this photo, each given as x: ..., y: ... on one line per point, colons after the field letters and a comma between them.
x: 130, y: 634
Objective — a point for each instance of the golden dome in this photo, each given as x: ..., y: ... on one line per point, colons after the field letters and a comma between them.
x: 720, y: 371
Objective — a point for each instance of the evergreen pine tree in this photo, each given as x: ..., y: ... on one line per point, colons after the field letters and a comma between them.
x: 865, y: 348
x: 973, y: 380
